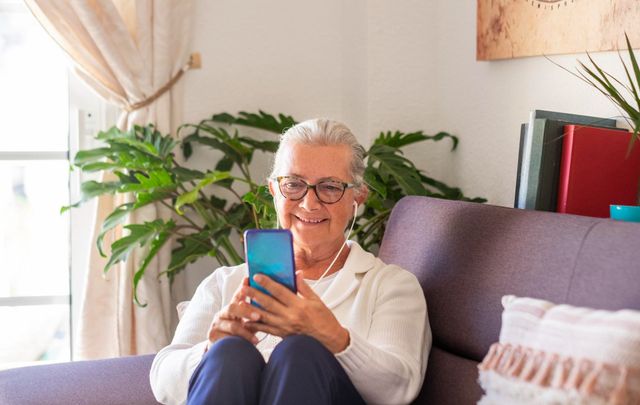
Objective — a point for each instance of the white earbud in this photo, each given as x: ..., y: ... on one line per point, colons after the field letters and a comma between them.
x: 353, y: 222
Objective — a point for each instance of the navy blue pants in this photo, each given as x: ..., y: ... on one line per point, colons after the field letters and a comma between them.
x: 300, y: 371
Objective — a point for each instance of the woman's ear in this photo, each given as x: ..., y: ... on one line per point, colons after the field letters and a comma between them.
x: 362, y: 195
x: 272, y: 189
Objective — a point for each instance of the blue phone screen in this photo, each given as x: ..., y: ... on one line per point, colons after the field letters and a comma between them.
x: 270, y: 252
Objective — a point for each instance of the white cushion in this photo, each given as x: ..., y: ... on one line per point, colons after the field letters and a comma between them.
x: 561, y: 354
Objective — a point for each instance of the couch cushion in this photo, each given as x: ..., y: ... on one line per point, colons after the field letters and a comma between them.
x: 453, y: 381
x: 120, y: 381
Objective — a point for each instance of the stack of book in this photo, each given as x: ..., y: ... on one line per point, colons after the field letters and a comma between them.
x: 575, y: 164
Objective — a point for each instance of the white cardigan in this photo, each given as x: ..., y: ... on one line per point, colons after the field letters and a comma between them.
x: 382, y: 306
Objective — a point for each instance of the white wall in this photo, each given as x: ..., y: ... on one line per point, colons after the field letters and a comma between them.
x: 382, y: 65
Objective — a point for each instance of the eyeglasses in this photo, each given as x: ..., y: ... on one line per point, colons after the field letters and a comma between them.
x: 327, y: 191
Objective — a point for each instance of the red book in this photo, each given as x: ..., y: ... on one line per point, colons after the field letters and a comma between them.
x: 596, y: 172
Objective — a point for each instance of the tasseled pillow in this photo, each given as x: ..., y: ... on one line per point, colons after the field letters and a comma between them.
x: 560, y: 354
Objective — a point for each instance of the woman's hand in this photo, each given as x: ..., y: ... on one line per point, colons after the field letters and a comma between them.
x: 286, y: 313
x: 231, y: 320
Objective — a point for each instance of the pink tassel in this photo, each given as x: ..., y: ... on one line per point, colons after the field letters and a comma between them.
x: 509, y: 358
x: 560, y: 373
x: 619, y: 393
x: 516, y: 366
x: 488, y: 359
x: 542, y: 376
x: 505, y: 356
x: 577, y: 373
x: 531, y: 365
x: 496, y: 359
x: 588, y: 385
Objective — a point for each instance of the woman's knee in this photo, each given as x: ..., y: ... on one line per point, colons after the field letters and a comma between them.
x: 300, y: 348
x: 236, y: 349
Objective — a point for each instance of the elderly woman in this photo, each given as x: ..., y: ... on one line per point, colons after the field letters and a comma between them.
x: 355, y: 332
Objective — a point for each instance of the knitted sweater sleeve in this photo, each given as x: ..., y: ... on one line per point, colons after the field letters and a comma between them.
x: 173, y: 365
x: 388, y: 365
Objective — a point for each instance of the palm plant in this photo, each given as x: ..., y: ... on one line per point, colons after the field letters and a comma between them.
x: 617, y: 91
x: 207, y: 224
x: 624, y: 94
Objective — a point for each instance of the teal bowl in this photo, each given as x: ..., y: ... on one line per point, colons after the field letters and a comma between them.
x: 629, y: 213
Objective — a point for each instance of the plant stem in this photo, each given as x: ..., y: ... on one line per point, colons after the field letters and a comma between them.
x: 371, y: 220
x: 183, y: 216
x: 226, y: 243
x: 186, y: 236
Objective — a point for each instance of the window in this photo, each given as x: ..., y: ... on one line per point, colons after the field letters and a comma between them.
x: 35, y: 300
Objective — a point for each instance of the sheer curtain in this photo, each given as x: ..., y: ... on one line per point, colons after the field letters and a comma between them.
x: 131, y: 52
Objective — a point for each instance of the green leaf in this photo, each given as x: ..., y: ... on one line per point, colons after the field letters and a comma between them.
x: 187, y: 198
x: 155, y: 179
x: 399, y: 139
x: 261, y: 202
x: 225, y: 165
x: 115, y: 218
x: 139, y: 235
x: 184, y: 174
x: 217, y: 202
x: 157, y: 242
x: 68, y: 207
x: 144, y: 198
x: 262, y: 120
x: 190, y: 249
x: 187, y: 149
x: 91, y: 188
x: 191, y: 196
x: 391, y: 163
x: 225, y: 145
x: 267, y: 146
x: 98, y: 166
x: 372, y: 181
x: 634, y: 63
x: 91, y: 155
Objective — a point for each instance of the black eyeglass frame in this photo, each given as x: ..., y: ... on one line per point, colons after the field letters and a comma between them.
x: 315, y: 190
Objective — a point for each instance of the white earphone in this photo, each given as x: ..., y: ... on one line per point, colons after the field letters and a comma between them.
x: 353, y: 222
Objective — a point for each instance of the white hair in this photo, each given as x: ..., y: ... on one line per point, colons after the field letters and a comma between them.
x: 323, y: 132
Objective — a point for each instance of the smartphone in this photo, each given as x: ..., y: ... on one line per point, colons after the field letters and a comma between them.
x: 270, y: 252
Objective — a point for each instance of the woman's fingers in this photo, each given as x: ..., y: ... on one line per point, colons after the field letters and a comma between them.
x: 241, y: 310
x: 255, y: 327
x: 230, y: 322
x: 303, y: 288
x: 236, y: 328
x: 277, y: 290
x: 239, y: 295
x: 268, y: 303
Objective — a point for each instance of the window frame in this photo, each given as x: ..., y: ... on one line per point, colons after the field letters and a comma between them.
x: 80, y: 101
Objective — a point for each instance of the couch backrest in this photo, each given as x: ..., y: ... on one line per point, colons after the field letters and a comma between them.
x: 468, y: 255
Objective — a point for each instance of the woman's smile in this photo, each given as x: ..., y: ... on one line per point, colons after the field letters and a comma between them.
x: 310, y: 221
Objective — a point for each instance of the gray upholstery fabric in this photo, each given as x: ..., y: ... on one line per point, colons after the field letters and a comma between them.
x: 453, y: 383
x: 467, y: 256
x: 121, y: 381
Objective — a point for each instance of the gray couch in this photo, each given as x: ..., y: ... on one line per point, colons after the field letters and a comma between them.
x: 466, y: 256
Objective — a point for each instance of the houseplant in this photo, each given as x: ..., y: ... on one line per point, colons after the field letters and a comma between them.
x: 625, y: 95
x: 214, y: 207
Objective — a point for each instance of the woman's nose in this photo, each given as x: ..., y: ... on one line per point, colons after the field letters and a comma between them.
x: 310, y: 201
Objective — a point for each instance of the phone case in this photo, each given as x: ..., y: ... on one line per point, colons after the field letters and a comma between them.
x: 270, y: 252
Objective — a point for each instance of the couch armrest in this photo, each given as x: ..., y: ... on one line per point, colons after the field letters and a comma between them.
x: 123, y: 380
